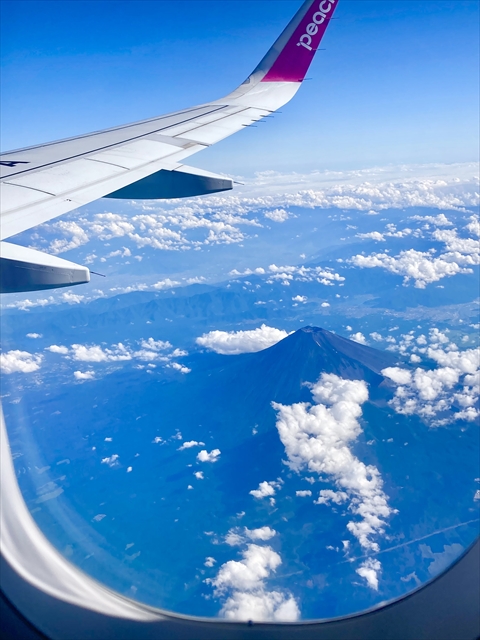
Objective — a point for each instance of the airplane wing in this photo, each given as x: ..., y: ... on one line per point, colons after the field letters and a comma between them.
x: 143, y: 160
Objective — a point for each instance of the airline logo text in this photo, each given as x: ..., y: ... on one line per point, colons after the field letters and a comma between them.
x: 312, y: 29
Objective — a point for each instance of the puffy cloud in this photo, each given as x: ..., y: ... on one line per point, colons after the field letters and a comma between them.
x: 209, y: 561
x: 165, y: 284
x: 190, y: 444
x: 277, y: 215
x: 419, y: 266
x: 179, y: 367
x: 242, y: 584
x: 372, y: 235
x: 451, y: 390
x: 398, y: 375
x: 423, y: 267
x: 34, y: 335
x: 325, y: 304
x: 235, y: 342
x: 474, y: 225
x: 289, y: 273
x: 300, y: 298
x: 358, y: 337
x: 74, y: 236
x: 71, y: 298
x: 240, y: 535
x: 111, y: 461
x: 439, y: 221
x: 55, y: 348
x: 317, y: 438
x: 369, y: 570
x: 95, y: 353
x: 204, y: 456
x: 198, y: 475
x: 16, y: 361
x: 304, y: 493
x: 327, y: 495
x: 84, y: 375
x: 265, y: 489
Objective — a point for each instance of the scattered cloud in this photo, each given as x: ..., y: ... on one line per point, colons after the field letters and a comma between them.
x: 424, y: 267
x: 235, y: 342
x: 190, y: 444
x: 265, y: 489
x: 111, y: 461
x: 318, y: 438
x: 242, y: 586
x: 16, y: 361
x: 370, y: 570
x: 277, y: 215
x: 84, y: 375
x: 449, y: 392
x: 358, y: 337
x: 204, y: 456
x: 34, y: 335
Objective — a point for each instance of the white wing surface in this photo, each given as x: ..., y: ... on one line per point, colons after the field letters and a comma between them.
x: 145, y: 159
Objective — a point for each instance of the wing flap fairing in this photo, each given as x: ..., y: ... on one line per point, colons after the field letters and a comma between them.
x: 184, y: 182
x: 23, y: 269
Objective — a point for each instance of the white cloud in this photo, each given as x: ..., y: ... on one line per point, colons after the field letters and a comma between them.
x: 179, y: 367
x: 423, y: 267
x: 358, y: 337
x: 289, y: 273
x: 317, y: 438
x: 398, y: 375
x: 155, y: 345
x: 204, y: 456
x: 263, y: 533
x: 84, y: 375
x: 190, y: 444
x: 370, y: 570
x: 95, y: 353
x: 372, y: 235
x: 71, y: 298
x: 277, y: 215
x: 474, y: 225
x: 235, y: 342
x: 450, y: 392
x: 198, y: 475
x: 34, y: 335
x: 112, y: 460
x: 242, y: 585
x: 165, y: 284
x: 75, y: 236
x: 325, y: 304
x: 16, y: 361
x: 327, y: 495
x: 304, y: 493
x: 209, y: 561
x: 300, y: 298
x: 265, y: 489
x: 54, y: 348
x: 439, y: 221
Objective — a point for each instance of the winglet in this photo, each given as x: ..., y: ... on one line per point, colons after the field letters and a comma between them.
x: 289, y: 58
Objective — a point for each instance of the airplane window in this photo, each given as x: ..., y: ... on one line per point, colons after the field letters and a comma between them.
x: 265, y: 403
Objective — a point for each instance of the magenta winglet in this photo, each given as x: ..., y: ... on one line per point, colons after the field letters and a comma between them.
x: 295, y: 58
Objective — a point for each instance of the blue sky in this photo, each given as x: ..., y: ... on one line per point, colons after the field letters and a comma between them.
x: 398, y: 82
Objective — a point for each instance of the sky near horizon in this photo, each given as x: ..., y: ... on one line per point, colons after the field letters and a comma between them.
x: 397, y: 83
